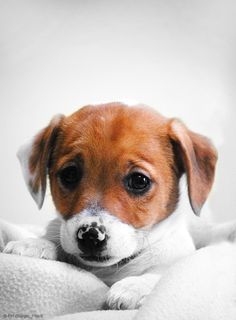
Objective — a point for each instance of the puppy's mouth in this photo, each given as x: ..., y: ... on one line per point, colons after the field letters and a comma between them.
x: 105, y: 261
x: 97, y: 260
x: 93, y: 258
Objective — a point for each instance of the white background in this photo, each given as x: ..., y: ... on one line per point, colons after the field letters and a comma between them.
x: 55, y: 56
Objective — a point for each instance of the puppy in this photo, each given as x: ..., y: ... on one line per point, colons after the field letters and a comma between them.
x: 114, y: 174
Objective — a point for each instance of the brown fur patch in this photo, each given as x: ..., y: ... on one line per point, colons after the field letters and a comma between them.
x: 41, y: 155
x: 108, y: 142
x: 112, y: 140
x: 198, y: 159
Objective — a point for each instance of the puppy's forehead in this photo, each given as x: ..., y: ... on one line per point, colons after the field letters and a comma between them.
x: 112, y: 125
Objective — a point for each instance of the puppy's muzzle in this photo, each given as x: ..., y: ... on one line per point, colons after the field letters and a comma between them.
x: 92, y: 239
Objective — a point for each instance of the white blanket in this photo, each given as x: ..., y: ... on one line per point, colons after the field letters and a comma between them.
x: 38, y: 287
x: 201, y: 286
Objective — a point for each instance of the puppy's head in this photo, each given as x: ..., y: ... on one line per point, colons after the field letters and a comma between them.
x: 114, y: 171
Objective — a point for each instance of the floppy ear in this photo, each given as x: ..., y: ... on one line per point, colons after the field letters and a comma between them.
x: 196, y: 156
x: 34, y: 159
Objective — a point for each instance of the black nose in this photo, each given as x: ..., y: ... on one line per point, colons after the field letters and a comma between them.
x: 92, y: 239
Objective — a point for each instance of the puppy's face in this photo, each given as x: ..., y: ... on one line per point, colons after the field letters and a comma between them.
x: 114, y: 172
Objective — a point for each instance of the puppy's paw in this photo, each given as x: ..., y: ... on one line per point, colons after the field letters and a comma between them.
x: 31, y: 247
x: 128, y: 293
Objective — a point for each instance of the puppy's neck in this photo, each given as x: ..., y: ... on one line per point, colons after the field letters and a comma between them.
x: 166, y: 228
x: 177, y: 222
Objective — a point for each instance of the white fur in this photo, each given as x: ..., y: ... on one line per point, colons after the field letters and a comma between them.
x: 130, y: 292
x: 10, y: 232
x: 155, y: 252
x: 31, y: 247
x: 123, y: 238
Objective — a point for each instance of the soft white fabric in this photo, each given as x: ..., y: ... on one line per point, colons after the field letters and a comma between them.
x: 30, y: 286
x: 201, y: 286
x: 100, y: 315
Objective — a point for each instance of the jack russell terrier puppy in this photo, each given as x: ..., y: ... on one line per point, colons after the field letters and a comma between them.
x: 114, y: 174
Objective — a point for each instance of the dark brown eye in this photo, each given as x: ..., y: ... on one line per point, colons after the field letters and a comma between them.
x: 137, y: 183
x: 70, y: 176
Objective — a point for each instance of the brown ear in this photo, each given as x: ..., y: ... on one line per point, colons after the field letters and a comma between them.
x: 34, y: 158
x: 197, y: 157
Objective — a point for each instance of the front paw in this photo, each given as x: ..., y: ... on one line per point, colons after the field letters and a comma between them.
x: 31, y: 247
x: 128, y: 293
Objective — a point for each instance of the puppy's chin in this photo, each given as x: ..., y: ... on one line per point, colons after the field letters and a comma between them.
x: 98, y: 261
x: 105, y: 261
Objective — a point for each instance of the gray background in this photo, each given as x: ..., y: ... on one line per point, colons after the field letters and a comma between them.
x: 55, y: 56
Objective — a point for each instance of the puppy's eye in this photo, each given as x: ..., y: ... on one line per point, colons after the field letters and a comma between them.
x: 137, y: 183
x: 70, y: 176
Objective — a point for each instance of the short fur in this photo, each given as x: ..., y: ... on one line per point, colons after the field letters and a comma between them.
x: 145, y: 233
